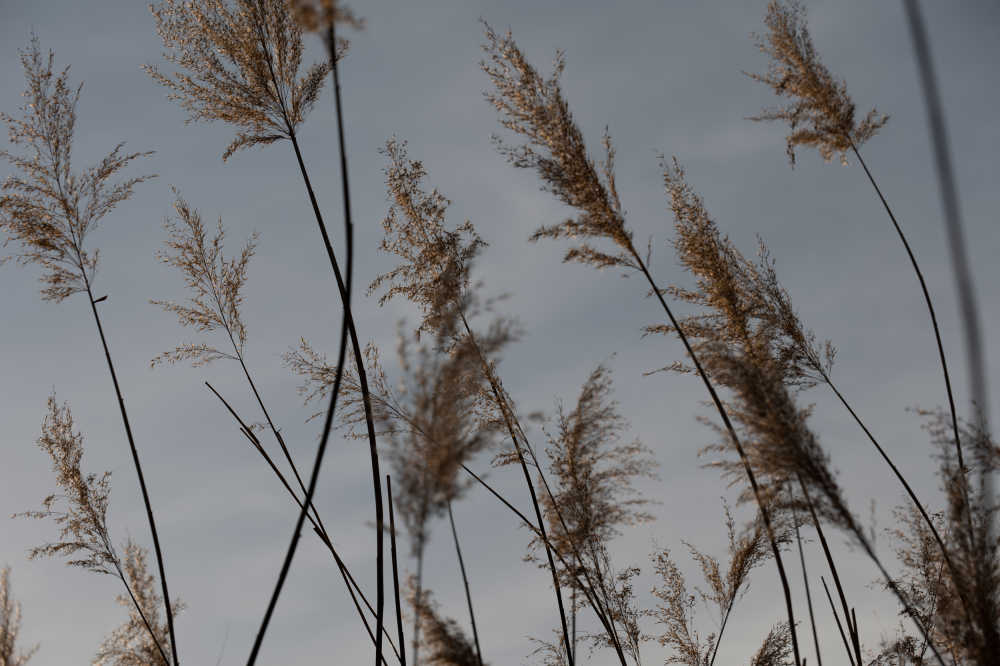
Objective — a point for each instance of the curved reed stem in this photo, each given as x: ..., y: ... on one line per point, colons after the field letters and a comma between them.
x: 765, y: 514
x: 142, y: 478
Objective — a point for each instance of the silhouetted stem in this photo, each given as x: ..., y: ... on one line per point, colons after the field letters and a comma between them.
x: 465, y: 581
x: 972, y: 328
x: 395, y: 573
x: 852, y: 630
x: 348, y: 327
x: 314, y: 519
x: 805, y: 583
x: 586, y: 589
x: 508, y: 418
x: 138, y: 470
x: 833, y: 608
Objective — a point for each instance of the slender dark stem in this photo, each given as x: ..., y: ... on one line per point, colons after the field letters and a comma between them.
x: 840, y: 627
x: 952, y: 213
x: 805, y: 583
x: 586, y: 589
x: 609, y: 625
x: 833, y: 570
x: 138, y: 470
x: 508, y: 417
x: 927, y: 300
x: 971, y: 324
x: 395, y: 573
x: 465, y: 581
x: 419, y: 599
x: 314, y: 519
x: 142, y: 614
x: 899, y: 475
x: 722, y: 629
x: 348, y: 328
x: 765, y: 514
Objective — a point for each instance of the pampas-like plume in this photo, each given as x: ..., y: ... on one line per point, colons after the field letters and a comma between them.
x: 10, y: 625
x: 443, y: 641
x: 429, y: 420
x: 83, y: 532
x: 317, y: 15
x: 535, y: 109
x: 434, y: 273
x: 776, y: 650
x: 676, y: 613
x: 215, y: 282
x: 47, y: 207
x: 83, y: 529
x: 593, y: 471
x: 131, y: 644
x: 239, y: 64
x: 820, y: 114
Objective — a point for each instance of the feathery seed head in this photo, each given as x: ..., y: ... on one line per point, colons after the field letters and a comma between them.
x: 131, y: 644
x: 46, y: 207
x: 215, y: 283
x: 83, y: 525
x: 820, y: 114
x: 10, y: 625
x: 316, y: 15
x: 534, y: 107
x: 239, y: 63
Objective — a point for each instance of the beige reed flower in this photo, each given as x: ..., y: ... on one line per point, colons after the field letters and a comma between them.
x: 10, y: 625
x: 534, y: 107
x: 216, y: 284
x: 820, y: 114
x: 83, y: 529
x: 316, y: 15
x: 47, y: 207
x: 443, y: 641
x: 131, y: 644
x: 238, y: 62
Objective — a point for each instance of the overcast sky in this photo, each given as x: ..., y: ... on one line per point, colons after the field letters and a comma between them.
x: 665, y: 78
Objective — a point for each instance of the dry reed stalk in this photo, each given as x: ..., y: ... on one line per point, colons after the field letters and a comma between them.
x: 535, y: 108
x: 49, y: 210
x: 822, y: 103
x: 242, y: 68
x: 725, y: 586
x: 10, y: 625
x: 434, y: 274
x: 353, y: 589
x: 429, y: 421
x: 593, y: 496
x: 216, y: 284
x: 84, y: 536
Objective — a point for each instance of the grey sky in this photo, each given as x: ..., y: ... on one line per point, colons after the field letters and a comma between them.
x: 664, y: 77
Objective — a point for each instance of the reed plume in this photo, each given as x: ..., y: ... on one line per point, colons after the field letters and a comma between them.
x: 83, y: 528
x: 434, y: 274
x: 592, y: 498
x: 216, y: 285
x: 239, y: 63
x: 255, y: 86
x: 429, y: 422
x: 820, y: 113
x: 725, y: 586
x: 49, y: 210
x: 131, y: 644
x: 443, y: 640
x: 46, y: 207
x: 535, y: 108
x: 10, y: 625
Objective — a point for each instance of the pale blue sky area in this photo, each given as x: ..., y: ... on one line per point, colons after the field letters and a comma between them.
x: 665, y: 78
